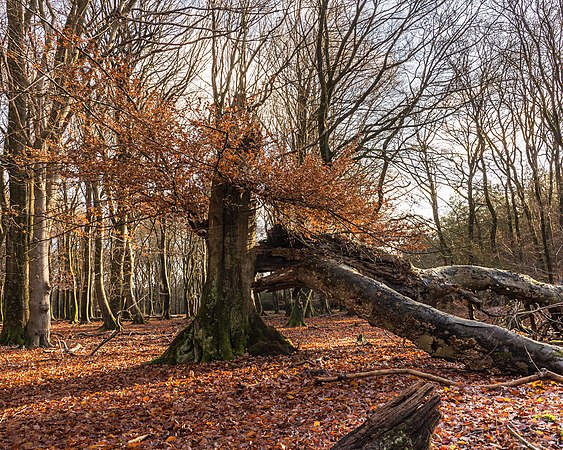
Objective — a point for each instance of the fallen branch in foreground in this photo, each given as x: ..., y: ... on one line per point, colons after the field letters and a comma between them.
x: 543, y: 374
x: 105, y: 341
x: 522, y: 440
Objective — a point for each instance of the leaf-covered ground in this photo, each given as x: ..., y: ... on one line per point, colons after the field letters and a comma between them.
x: 54, y: 400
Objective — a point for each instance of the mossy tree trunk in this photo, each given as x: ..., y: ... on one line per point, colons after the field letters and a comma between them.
x: 16, y: 286
x: 110, y: 322
x: 227, y: 323
x: 298, y: 308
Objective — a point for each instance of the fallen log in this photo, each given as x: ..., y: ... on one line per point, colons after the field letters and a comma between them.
x: 478, y: 345
x: 406, y: 422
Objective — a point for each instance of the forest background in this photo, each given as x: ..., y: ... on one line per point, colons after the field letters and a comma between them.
x: 429, y: 129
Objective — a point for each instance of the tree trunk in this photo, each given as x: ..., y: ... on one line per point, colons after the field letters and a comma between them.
x: 406, y: 422
x: 38, y: 329
x: 478, y: 345
x: 110, y: 322
x: 164, y: 282
x: 130, y: 300
x: 86, y: 279
x: 227, y: 323
x: 16, y: 286
x: 298, y: 306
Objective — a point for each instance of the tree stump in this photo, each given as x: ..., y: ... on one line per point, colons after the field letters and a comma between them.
x: 405, y: 423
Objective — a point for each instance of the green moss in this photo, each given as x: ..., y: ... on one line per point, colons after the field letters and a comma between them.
x: 545, y: 417
x: 502, y: 358
x: 12, y: 336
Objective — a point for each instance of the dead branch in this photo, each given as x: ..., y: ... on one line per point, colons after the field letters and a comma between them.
x: 384, y: 372
x: 543, y: 374
x: 522, y: 440
x: 105, y: 341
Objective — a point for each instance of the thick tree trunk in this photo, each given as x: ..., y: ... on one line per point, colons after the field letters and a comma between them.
x: 227, y: 323
x: 406, y: 422
x: 480, y: 346
x: 16, y: 287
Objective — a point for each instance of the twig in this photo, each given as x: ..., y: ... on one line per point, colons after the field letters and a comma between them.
x: 105, y: 341
x: 138, y: 439
x: 522, y: 440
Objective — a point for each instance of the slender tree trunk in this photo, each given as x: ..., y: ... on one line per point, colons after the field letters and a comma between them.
x: 86, y: 280
x: 131, y: 303
x: 110, y: 322
x: 116, y: 268
x: 165, y: 291
x: 39, y: 326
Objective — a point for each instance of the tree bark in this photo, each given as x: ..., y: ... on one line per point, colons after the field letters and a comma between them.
x: 110, y: 322
x: 406, y: 422
x: 86, y: 269
x: 164, y: 283
x: 227, y: 323
x: 16, y: 287
x: 38, y: 328
x: 503, y: 282
x: 478, y: 345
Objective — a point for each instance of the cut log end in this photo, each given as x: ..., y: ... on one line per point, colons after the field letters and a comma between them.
x: 407, y: 421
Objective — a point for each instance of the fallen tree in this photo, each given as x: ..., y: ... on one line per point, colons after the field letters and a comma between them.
x: 389, y: 293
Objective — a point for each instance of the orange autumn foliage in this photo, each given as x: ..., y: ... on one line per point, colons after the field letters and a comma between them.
x: 164, y: 159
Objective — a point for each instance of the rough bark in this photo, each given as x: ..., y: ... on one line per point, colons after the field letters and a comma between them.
x: 227, y: 323
x: 38, y: 328
x: 478, y: 345
x: 406, y: 422
x: 16, y: 287
x: 503, y: 282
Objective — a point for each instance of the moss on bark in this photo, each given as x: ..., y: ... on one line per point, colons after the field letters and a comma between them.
x: 194, y: 345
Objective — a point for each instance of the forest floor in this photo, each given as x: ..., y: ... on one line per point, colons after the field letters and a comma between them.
x: 50, y: 399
